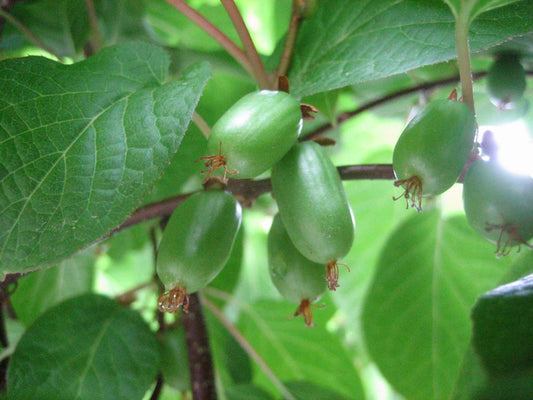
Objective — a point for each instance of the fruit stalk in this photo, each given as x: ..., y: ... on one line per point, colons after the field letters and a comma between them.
x: 194, y: 16
x: 258, y: 70
x: 462, y: 25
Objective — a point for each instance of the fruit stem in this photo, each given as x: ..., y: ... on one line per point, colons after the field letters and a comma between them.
x: 462, y: 25
x: 194, y: 16
x: 258, y: 69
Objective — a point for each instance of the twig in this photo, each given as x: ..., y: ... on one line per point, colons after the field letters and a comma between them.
x: 290, y: 40
x: 201, y: 124
x: 158, y: 387
x: 4, y: 341
x: 343, y: 117
x: 200, y: 361
x: 28, y: 33
x: 259, y: 72
x: 248, y: 348
x: 93, y: 21
x: 194, y: 16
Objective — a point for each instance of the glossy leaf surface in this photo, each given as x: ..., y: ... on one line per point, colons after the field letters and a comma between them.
x: 416, y: 314
x: 81, y: 144
x: 347, y: 41
x: 88, y: 347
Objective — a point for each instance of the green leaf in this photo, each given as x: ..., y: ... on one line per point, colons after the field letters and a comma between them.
x: 475, y: 7
x: 81, y: 144
x: 87, y: 347
x: 347, y: 41
x: 62, y: 25
x: 121, y: 20
x: 416, y: 314
x: 247, y: 392
x: 174, y: 359
x: 305, y: 390
x: 295, y: 352
x: 39, y: 291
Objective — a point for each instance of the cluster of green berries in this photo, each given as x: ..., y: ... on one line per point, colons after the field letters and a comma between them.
x: 315, y: 226
x: 436, y: 146
x: 313, y: 230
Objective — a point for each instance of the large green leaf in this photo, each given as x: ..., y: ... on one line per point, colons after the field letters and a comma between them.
x: 475, y: 7
x: 81, y: 144
x: 39, y: 291
x: 88, y: 347
x: 416, y: 315
x: 295, y: 352
x: 347, y: 41
x: 62, y: 24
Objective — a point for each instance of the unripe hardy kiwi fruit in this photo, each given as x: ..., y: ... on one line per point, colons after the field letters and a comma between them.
x: 506, y: 81
x: 297, y: 278
x: 196, y: 245
x: 313, y: 206
x: 499, y: 204
x: 256, y: 132
x: 433, y: 149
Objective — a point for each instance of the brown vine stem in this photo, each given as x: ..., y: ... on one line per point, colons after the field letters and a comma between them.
x: 259, y: 72
x: 3, y: 339
x: 93, y: 21
x: 238, y: 336
x: 343, y: 117
x: 290, y: 40
x: 200, y: 362
x: 194, y: 16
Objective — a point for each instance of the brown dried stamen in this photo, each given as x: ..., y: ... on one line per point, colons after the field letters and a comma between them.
x: 304, y: 309
x: 332, y: 274
x: 505, y: 243
x: 173, y: 299
x: 215, y: 162
x: 412, y: 192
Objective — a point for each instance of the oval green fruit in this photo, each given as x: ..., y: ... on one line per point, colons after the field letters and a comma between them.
x: 499, y: 204
x: 254, y: 133
x: 506, y: 81
x: 297, y: 278
x: 196, y: 245
x: 433, y: 149
x: 313, y: 206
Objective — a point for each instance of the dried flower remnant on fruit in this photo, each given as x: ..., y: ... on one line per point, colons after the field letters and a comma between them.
x: 304, y: 309
x: 212, y: 163
x: 332, y: 274
x: 173, y: 299
x: 412, y: 192
x: 509, y: 236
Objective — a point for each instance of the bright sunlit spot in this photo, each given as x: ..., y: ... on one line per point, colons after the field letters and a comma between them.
x: 515, y: 146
